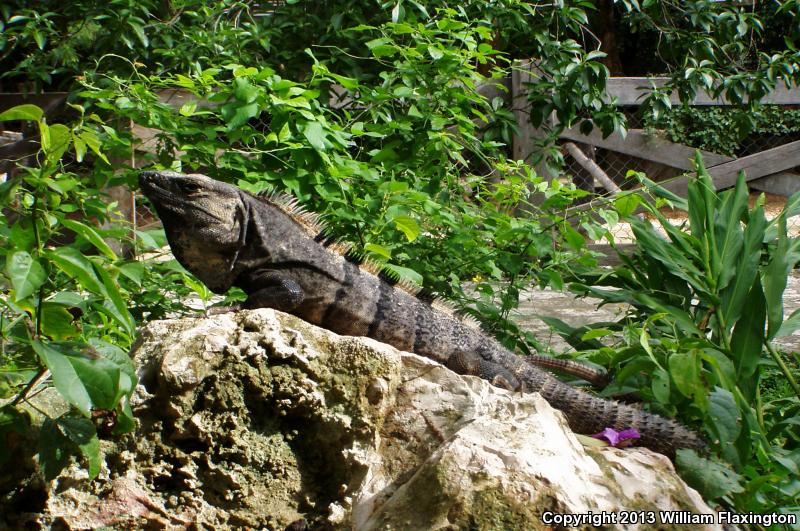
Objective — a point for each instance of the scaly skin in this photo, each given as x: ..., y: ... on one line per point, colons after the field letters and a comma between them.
x: 228, y: 237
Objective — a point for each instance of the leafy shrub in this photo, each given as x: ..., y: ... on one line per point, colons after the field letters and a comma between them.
x: 705, y: 306
x: 63, y: 312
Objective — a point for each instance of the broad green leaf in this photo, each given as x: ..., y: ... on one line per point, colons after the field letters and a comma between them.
x: 54, y: 449
x: 80, y: 147
x: 26, y: 274
x: 626, y: 204
x: 378, y: 249
x: 22, y: 235
x: 774, y: 278
x: 134, y: 270
x: 76, y: 265
x: 91, y: 139
x: 57, y: 322
x: 90, y: 235
x: 728, y: 232
x: 244, y: 91
x: 684, y: 367
x: 60, y: 136
x: 405, y: 273
x: 673, y: 260
x: 713, y: 479
x: 747, y: 342
x: 408, y: 226
x: 82, y: 432
x: 139, y: 31
x: 596, y: 333
x: 683, y: 319
x: 118, y: 357
x: 65, y: 378
x: 236, y: 115
x: 315, y: 136
x: 790, y: 325
x: 745, y: 268
x: 574, y: 238
x: 152, y: 239
x: 725, y: 421
x: 26, y: 112
x: 114, y: 303
x: 660, y: 385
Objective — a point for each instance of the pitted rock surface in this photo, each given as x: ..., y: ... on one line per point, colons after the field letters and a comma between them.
x: 260, y: 420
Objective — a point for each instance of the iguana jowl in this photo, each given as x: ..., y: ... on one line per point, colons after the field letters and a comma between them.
x: 278, y: 256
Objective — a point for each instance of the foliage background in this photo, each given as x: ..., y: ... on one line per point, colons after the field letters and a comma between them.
x: 415, y: 170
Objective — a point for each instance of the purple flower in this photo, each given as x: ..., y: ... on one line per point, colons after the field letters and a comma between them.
x: 617, y: 438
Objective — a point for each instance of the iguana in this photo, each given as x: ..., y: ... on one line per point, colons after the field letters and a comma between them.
x: 279, y: 255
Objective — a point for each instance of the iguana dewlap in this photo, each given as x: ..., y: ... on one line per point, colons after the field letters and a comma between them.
x: 277, y: 254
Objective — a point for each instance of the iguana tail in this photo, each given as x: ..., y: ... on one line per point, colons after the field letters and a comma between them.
x: 585, y: 413
x: 591, y: 375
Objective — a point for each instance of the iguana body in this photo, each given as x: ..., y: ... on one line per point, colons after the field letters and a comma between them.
x: 228, y: 237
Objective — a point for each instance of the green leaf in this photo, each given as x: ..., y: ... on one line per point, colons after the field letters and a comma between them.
x: 315, y: 136
x: 114, y: 303
x: 728, y: 232
x: 82, y: 432
x: 80, y: 147
x: 57, y: 322
x: 724, y: 421
x: 775, y: 276
x: 405, y: 273
x: 660, y: 385
x: 684, y: 367
x: 22, y: 235
x: 26, y: 274
x: 682, y: 318
x: 713, y: 479
x: 65, y: 377
x: 244, y: 91
x: 745, y: 268
x: 26, y: 112
x: 91, y: 139
x: 54, y: 449
x: 236, y: 115
x: 747, y: 342
x: 790, y: 325
x: 77, y: 266
x: 60, y: 136
x: 595, y: 333
x: 408, y: 226
x: 139, y: 31
x: 378, y: 249
x: 574, y: 238
x: 90, y: 235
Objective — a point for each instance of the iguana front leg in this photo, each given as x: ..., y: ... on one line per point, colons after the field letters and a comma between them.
x: 271, y: 289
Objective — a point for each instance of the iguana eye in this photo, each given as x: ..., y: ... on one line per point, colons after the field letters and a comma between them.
x: 190, y: 187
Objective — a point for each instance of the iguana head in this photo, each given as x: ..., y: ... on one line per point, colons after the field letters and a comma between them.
x: 203, y: 221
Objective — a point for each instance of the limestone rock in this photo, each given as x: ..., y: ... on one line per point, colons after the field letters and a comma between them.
x: 258, y: 419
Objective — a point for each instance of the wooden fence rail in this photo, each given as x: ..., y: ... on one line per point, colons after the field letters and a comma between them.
x: 770, y: 170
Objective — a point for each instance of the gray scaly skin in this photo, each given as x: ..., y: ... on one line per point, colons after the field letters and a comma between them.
x: 228, y: 237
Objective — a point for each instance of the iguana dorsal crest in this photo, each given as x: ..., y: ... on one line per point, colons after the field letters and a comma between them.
x: 309, y: 221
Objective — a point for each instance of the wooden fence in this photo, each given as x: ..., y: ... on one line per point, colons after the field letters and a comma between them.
x: 774, y: 169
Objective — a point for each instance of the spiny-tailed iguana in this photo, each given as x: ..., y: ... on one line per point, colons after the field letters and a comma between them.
x: 278, y: 254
